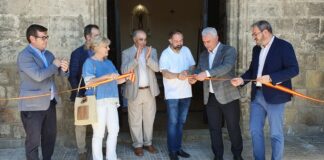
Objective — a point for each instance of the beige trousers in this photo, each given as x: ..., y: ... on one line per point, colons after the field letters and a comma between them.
x: 141, y: 115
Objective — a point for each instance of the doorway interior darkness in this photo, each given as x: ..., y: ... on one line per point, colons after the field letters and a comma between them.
x: 211, y: 13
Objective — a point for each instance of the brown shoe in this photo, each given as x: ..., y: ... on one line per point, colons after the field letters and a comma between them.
x: 139, y: 151
x: 151, y: 149
x: 83, y: 156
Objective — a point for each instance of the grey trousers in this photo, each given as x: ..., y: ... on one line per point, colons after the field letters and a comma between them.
x: 141, y: 115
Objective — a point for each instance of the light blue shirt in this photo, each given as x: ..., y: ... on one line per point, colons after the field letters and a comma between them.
x: 42, y: 56
x: 94, y: 69
x: 211, y: 57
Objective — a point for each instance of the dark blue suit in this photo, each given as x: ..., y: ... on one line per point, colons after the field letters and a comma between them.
x: 77, y: 59
x: 281, y: 64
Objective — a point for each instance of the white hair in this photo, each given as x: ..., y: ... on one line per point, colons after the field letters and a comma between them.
x: 209, y: 31
x: 96, y: 41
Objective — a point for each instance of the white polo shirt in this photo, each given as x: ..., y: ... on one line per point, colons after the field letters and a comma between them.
x: 176, y: 63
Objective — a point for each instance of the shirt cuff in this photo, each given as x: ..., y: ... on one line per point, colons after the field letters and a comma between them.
x: 208, y: 74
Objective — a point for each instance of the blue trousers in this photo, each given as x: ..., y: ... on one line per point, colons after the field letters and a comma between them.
x: 259, y: 110
x: 177, y: 114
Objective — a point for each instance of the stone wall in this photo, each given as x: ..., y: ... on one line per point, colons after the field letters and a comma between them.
x: 300, y: 22
x: 65, y: 20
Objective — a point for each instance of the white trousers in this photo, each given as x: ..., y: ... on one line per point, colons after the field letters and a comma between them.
x: 107, y: 116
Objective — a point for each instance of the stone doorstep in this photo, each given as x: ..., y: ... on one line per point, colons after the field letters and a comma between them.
x: 123, y: 137
x: 188, y: 135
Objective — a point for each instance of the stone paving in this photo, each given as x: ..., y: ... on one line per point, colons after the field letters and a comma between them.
x: 198, y: 145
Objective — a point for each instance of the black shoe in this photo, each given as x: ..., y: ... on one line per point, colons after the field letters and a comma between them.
x: 183, y: 154
x: 238, y: 158
x: 173, y: 156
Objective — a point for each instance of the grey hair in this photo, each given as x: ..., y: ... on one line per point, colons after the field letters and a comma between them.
x: 263, y: 25
x: 96, y: 41
x: 209, y: 31
x: 136, y: 32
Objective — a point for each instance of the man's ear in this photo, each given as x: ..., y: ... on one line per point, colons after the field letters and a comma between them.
x: 88, y: 37
x: 32, y: 38
x: 170, y: 41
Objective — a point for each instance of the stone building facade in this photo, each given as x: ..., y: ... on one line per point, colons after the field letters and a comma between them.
x: 299, y: 21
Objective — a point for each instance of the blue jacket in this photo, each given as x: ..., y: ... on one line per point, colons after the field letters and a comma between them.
x: 78, y: 57
x: 36, y: 79
x: 281, y: 64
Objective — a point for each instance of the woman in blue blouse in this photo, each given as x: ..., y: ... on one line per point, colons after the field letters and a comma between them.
x: 95, y: 69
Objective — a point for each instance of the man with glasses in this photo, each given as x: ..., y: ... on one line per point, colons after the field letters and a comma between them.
x: 37, y: 67
x: 143, y: 61
x: 77, y: 59
x: 273, y: 61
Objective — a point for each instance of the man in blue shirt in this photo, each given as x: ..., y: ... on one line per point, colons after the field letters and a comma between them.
x: 78, y: 57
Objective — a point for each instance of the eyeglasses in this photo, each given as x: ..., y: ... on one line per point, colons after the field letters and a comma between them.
x: 142, y: 39
x: 256, y: 34
x: 43, y: 37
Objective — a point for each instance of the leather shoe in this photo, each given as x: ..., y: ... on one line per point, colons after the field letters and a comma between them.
x: 173, y: 156
x: 139, y: 151
x: 151, y: 149
x: 238, y: 158
x: 183, y: 154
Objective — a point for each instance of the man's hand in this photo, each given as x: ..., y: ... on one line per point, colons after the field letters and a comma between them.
x: 237, y: 81
x: 138, y: 52
x: 113, y: 76
x: 192, y: 80
x: 64, y: 65
x: 57, y: 62
x: 182, y: 75
x: 264, y: 79
x: 148, y: 52
x: 201, y: 76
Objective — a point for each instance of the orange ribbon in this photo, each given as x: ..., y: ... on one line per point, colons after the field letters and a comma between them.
x: 130, y: 75
x: 287, y: 90
x: 278, y: 87
x: 132, y: 78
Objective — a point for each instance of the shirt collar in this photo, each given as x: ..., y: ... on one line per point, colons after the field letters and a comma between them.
x: 37, y: 50
x: 269, y: 44
x: 215, y: 49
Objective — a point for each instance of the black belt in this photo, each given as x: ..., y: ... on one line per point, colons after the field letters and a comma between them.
x: 144, y: 87
x: 258, y: 87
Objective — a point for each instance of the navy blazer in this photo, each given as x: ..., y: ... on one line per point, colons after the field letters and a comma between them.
x: 281, y: 64
x: 78, y: 57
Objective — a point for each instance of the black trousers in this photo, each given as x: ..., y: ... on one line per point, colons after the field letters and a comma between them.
x: 231, y: 113
x: 40, y: 128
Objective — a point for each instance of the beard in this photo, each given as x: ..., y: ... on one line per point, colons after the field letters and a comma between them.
x: 178, y: 47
